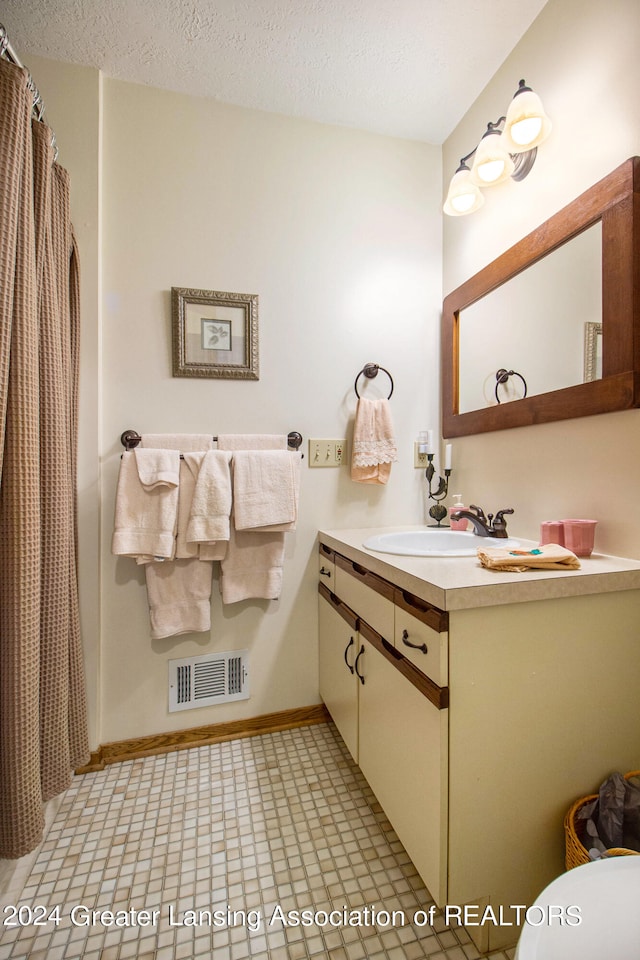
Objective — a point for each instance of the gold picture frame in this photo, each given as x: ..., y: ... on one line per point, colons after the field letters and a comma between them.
x: 215, y: 334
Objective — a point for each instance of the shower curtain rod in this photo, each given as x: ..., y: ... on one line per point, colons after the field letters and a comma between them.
x: 7, y: 51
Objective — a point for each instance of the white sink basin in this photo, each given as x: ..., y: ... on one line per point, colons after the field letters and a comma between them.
x: 434, y: 542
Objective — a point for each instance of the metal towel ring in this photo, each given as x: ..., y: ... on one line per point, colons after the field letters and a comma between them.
x: 503, y: 375
x: 370, y: 371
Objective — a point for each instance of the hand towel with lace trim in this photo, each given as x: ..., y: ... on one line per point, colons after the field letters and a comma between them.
x: 374, y: 444
x: 547, y: 557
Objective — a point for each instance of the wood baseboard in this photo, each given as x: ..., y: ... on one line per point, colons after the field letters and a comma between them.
x: 202, y: 736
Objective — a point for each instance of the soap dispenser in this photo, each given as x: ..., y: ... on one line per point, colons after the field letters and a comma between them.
x: 457, y: 505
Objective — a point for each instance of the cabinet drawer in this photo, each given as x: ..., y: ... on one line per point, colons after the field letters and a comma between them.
x: 366, y: 593
x: 424, y: 647
x: 327, y: 566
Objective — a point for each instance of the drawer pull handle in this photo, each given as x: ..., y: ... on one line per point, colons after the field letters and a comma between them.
x: 414, y: 646
x: 324, y: 573
x: 346, y: 650
x: 358, y: 674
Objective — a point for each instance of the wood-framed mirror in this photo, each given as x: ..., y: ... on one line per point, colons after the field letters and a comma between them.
x: 605, y: 218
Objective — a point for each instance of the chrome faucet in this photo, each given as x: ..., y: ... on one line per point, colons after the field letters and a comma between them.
x: 484, y: 526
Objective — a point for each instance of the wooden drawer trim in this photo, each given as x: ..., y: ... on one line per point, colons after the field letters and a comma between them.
x: 360, y: 573
x: 437, y: 619
x: 341, y: 608
x: 439, y: 696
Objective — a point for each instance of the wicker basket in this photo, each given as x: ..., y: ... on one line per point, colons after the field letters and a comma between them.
x: 576, y: 854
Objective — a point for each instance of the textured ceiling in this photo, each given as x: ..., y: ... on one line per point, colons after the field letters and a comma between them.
x: 407, y: 68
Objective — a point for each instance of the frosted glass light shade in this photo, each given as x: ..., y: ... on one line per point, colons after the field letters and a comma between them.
x: 526, y: 123
x: 492, y: 163
x: 463, y: 196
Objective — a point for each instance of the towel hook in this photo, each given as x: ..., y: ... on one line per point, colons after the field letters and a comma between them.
x: 503, y: 375
x: 370, y: 370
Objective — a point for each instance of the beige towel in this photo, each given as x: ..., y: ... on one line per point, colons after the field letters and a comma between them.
x: 266, y: 485
x: 146, y: 513
x: 374, y: 444
x: 253, y: 441
x: 185, y: 442
x: 189, y: 469
x: 547, y: 557
x: 211, y: 504
x: 252, y: 567
x: 179, y: 595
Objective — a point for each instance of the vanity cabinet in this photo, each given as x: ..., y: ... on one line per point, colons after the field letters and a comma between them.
x: 391, y: 715
x: 478, y: 726
x: 340, y: 647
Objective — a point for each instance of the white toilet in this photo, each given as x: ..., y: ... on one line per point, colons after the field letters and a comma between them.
x: 605, y: 895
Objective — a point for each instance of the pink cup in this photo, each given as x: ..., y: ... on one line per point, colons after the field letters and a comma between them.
x: 552, y: 531
x: 579, y: 536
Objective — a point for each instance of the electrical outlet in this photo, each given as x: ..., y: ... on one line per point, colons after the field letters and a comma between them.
x: 419, y: 459
x: 327, y: 453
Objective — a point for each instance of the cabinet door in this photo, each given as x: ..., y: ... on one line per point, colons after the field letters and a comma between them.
x: 403, y: 755
x: 339, y: 647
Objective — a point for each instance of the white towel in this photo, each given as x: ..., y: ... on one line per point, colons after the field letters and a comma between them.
x: 189, y: 470
x: 252, y: 567
x: 266, y: 485
x: 253, y: 441
x: 146, y: 513
x: 211, y: 501
x: 179, y: 595
x: 185, y: 442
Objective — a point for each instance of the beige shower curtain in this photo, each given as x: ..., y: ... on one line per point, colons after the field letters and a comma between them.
x: 42, y: 699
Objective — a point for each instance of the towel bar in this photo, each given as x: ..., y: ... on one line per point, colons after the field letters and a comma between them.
x: 131, y: 438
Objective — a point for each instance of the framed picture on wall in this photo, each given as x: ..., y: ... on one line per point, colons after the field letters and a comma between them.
x: 215, y: 334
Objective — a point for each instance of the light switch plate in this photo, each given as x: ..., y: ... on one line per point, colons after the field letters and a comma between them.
x: 327, y: 452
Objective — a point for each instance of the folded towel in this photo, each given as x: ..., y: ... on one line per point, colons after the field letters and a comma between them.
x: 179, y: 595
x: 266, y: 485
x: 189, y: 470
x: 211, y: 501
x: 185, y: 442
x: 145, y: 515
x: 374, y: 445
x: 253, y: 441
x: 548, y: 557
x: 158, y: 468
x: 252, y: 566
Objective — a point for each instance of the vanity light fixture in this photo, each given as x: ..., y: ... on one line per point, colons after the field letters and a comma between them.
x: 508, y: 148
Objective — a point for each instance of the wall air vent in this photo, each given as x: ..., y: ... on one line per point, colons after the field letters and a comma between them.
x: 212, y: 678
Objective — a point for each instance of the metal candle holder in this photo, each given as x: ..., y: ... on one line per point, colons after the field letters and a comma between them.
x: 437, y: 511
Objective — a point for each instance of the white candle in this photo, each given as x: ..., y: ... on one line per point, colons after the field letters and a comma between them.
x: 430, y: 441
x: 447, y: 457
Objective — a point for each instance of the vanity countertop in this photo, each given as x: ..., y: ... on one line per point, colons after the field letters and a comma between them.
x: 462, y: 583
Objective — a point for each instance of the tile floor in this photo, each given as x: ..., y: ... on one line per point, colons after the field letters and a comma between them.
x: 233, y: 837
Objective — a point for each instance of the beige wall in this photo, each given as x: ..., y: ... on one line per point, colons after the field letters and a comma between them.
x: 339, y: 234
x: 581, y: 57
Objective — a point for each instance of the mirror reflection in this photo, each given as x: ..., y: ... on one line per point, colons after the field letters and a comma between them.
x: 554, y: 309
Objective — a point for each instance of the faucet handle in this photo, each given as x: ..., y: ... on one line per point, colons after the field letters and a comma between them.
x: 478, y: 511
x: 500, y: 523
